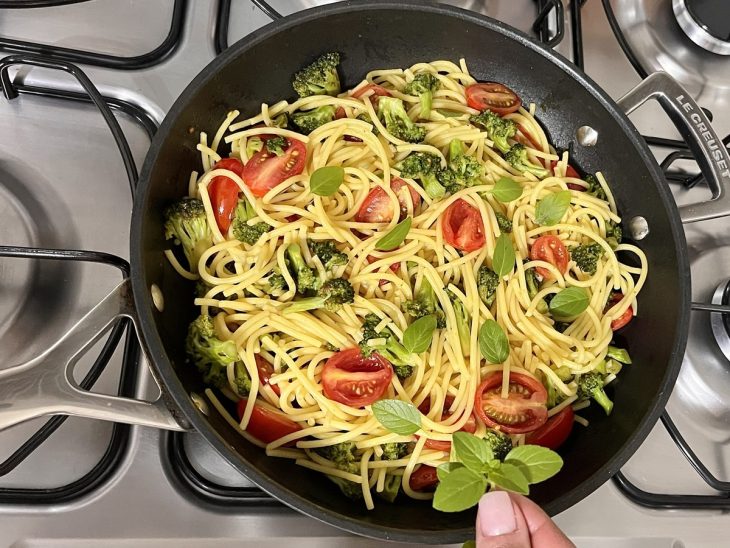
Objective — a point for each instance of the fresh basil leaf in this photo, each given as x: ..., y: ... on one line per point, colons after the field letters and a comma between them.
x: 493, y: 342
x: 460, y: 489
x: 569, y: 302
x: 503, y: 259
x: 445, y: 469
x: 507, y: 190
x: 326, y: 180
x: 417, y: 337
x: 395, y: 237
x: 552, y: 207
x: 537, y: 463
x: 473, y: 452
x: 397, y: 416
x: 510, y: 478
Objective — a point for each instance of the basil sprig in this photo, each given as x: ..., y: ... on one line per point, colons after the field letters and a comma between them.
x: 463, y: 482
x: 417, y: 338
x: 507, y: 190
x: 503, y: 259
x: 552, y: 207
x: 395, y: 237
x: 569, y: 302
x: 398, y: 416
x: 326, y: 180
x: 493, y: 342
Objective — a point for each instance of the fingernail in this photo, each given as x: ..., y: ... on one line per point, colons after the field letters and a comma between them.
x: 496, y: 514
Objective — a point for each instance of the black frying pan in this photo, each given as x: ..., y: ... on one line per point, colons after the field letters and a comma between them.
x: 396, y: 34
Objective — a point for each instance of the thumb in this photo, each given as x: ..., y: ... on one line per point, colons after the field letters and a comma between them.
x: 508, y: 520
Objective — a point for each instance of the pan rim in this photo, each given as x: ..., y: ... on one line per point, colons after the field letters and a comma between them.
x: 160, y: 362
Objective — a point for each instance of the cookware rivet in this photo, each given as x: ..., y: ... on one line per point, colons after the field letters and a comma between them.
x: 639, y: 228
x: 200, y: 403
x: 157, y: 299
x: 587, y: 136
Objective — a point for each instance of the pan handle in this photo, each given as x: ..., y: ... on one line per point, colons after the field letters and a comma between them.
x: 695, y: 127
x: 45, y: 385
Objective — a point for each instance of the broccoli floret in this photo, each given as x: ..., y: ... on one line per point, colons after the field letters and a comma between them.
x: 201, y: 288
x: 243, y: 379
x: 595, y: 188
x: 533, y: 287
x: 276, y: 145
x: 349, y: 488
x: 209, y: 354
x: 504, y: 224
x: 590, y: 385
x: 395, y: 450
x: 554, y: 396
x: 319, y: 78
x: 425, y: 304
x: 391, y: 487
x: 392, y: 350
x: 331, y: 296
x: 307, y: 280
x: 424, y: 85
x: 342, y: 456
x: 309, y: 120
x: 614, y: 234
x: 618, y: 354
x: 248, y: 233
x: 487, y: 282
x: 281, y: 121
x: 366, y: 118
x: 397, y: 122
x: 254, y: 145
x: 517, y: 158
x: 462, y: 323
x: 425, y: 167
x: 185, y: 221
x: 327, y: 253
x: 499, y: 129
x: 463, y: 170
x: 586, y: 256
x: 499, y: 443
x: 274, y: 284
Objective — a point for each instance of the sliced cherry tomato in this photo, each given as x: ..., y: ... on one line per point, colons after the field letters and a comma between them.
x: 266, y: 170
x: 349, y: 377
x: 223, y: 192
x: 569, y: 172
x: 377, y: 207
x: 624, y: 318
x: 523, y: 410
x: 266, y: 425
x: 265, y: 370
x: 549, y: 249
x: 529, y: 138
x: 394, y: 267
x: 492, y: 96
x: 293, y: 217
x: 424, y: 478
x: 554, y: 432
x: 438, y: 445
x: 340, y: 113
x: 378, y: 91
x: 462, y: 226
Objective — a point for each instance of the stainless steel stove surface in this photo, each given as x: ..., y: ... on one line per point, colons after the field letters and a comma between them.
x: 63, y: 185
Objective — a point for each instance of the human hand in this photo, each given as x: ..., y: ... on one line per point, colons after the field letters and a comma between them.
x: 508, y: 520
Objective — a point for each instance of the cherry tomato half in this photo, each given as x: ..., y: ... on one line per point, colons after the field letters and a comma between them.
x: 549, y: 249
x: 523, y: 410
x: 529, y: 139
x: 266, y: 170
x: 266, y: 425
x: 624, y: 318
x: 462, y: 226
x: 424, y: 478
x: 349, y: 377
x: 492, y: 96
x: 441, y: 445
x: 265, y: 370
x: 223, y: 192
x: 377, y: 92
x: 377, y: 207
x: 554, y: 432
x: 569, y: 172
x: 394, y: 268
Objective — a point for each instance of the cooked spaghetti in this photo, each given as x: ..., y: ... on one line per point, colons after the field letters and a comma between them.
x: 563, y: 230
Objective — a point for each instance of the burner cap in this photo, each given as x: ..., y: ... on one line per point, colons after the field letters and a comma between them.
x: 705, y: 22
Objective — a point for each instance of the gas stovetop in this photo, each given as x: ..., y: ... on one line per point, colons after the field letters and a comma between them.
x: 78, y: 482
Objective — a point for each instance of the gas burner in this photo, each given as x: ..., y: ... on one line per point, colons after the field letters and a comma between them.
x: 705, y: 22
x: 721, y: 322
x: 660, y: 43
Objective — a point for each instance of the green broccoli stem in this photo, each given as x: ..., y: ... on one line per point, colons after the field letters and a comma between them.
x: 432, y: 186
x: 303, y: 305
x: 618, y: 354
x: 602, y: 399
x: 426, y: 100
x: 456, y: 149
